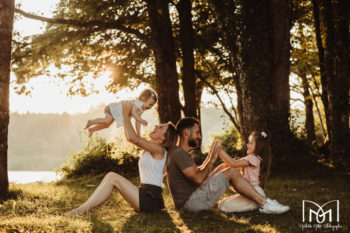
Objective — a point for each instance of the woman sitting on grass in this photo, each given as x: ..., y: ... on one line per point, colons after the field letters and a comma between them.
x: 148, y: 197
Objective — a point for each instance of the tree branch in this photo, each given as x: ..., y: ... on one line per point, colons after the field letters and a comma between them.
x: 235, y: 123
x: 297, y: 99
x: 94, y: 23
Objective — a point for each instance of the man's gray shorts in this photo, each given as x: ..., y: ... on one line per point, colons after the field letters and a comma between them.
x: 206, y: 195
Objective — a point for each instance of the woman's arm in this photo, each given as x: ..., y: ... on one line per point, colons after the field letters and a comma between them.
x: 137, y: 116
x: 131, y: 135
x: 138, y: 128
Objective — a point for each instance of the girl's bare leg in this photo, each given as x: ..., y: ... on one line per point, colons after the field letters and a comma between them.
x: 239, y: 203
x: 107, y: 120
x: 110, y: 182
x: 98, y: 127
x: 242, y: 186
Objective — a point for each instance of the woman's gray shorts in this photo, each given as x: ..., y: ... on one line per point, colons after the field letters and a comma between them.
x: 206, y: 195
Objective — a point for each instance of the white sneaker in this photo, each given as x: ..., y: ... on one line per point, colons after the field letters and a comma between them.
x: 273, y: 207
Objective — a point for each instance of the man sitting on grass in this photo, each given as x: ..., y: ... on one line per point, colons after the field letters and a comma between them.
x: 197, y: 188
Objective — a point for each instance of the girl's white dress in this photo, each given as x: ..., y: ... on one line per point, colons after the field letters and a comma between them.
x: 116, y: 109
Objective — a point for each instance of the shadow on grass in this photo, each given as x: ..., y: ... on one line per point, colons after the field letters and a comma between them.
x: 150, y: 222
x: 100, y: 226
x: 215, y: 221
x: 11, y: 194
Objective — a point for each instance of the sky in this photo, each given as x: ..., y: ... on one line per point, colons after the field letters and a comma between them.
x: 50, y: 95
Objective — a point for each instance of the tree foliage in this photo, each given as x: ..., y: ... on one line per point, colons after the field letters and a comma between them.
x: 87, y: 37
x: 237, y: 48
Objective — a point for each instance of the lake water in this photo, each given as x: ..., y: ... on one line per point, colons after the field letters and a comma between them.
x: 25, y: 177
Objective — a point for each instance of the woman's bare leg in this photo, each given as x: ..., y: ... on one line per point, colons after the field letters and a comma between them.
x: 110, y: 182
x: 107, y: 120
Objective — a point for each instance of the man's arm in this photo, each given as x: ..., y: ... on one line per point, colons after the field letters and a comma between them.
x: 199, y: 174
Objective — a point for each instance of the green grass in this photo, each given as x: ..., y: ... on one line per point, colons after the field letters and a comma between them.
x: 38, y: 207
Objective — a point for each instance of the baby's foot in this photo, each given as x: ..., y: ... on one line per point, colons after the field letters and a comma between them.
x: 90, y: 132
x: 87, y: 124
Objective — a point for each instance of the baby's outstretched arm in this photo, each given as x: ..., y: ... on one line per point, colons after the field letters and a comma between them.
x: 137, y: 115
x: 226, y: 158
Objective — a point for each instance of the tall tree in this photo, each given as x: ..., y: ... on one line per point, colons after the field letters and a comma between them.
x: 263, y: 68
x: 6, y: 19
x: 163, y: 46
x: 256, y: 38
x: 321, y: 58
x: 337, y: 63
x: 184, y: 8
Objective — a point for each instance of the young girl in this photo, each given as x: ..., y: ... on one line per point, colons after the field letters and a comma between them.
x: 255, y: 168
x: 114, y: 112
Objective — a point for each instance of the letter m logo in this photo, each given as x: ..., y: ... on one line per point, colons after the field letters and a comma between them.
x: 319, y: 212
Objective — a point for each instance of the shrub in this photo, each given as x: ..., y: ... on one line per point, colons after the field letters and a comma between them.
x: 99, y: 156
x: 231, y: 142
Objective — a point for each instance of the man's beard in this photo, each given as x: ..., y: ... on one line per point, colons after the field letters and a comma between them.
x: 192, y: 143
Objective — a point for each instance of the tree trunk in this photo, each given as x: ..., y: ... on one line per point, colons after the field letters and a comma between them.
x: 264, y: 72
x: 337, y: 70
x: 324, y: 95
x: 199, y: 92
x: 309, y: 121
x: 6, y: 19
x: 163, y: 47
x: 188, y: 74
x: 281, y: 24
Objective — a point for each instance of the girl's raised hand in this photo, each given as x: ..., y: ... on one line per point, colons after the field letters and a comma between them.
x: 219, y: 143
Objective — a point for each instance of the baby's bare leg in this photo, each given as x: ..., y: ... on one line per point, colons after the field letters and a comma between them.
x: 107, y: 120
x: 97, y: 128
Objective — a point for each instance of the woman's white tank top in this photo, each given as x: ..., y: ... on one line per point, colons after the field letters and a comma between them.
x: 151, y: 170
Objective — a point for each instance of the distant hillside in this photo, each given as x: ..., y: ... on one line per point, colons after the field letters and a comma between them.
x: 41, y: 141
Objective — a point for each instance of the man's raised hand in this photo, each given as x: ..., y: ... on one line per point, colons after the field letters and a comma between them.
x: 213, y: 153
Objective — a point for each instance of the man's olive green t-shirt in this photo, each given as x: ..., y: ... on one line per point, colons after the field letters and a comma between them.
x: 180, y: 186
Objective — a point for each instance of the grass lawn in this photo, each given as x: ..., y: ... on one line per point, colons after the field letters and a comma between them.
x: 38, y: 207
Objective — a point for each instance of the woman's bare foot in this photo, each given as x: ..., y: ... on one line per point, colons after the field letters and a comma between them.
x: 88, y: 123
x: 73, y: 213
